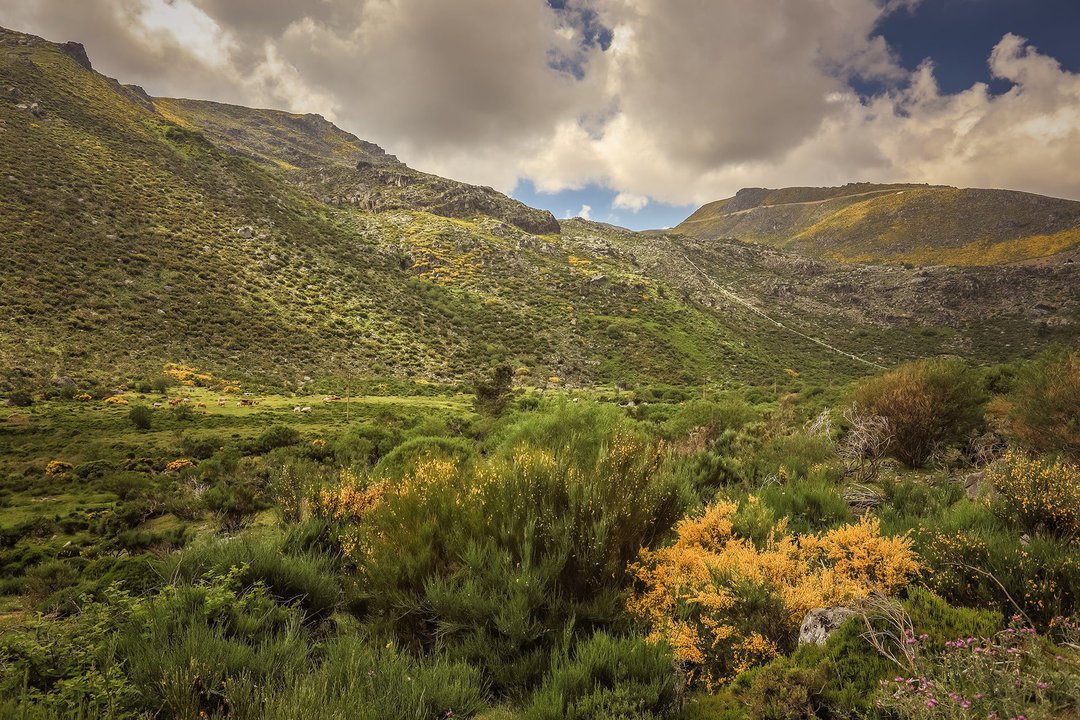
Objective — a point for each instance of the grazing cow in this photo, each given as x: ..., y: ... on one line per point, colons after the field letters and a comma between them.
x: 305, y: 409
x: 221, y: 402
x: 296, y: 409
x: 157, y: 404
x: 175, y: 401
x: 201, y: 405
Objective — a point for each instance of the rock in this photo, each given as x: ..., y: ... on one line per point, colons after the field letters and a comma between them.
x: 76, y: 52
x: 820, y: 623
x: 36, y: 110
x: 246, y: 232
x: 975, y: 485
x: 599, y: 281
x: 1044, y: 307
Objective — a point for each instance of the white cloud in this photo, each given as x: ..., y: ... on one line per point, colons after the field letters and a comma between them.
x: 585, y: 213
x: 629, y: 201
x: 691, y: 102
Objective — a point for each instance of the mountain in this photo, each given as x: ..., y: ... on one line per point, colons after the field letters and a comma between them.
x: 916, y: 224
x: 275, y: 247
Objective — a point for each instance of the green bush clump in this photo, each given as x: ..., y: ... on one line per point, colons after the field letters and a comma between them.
x: 358, y: 677
x: 928, y: 403
x: 811, y: 505
x: 141, y: 417
x: 606, y: 677
x: 301, y: 579
x: 278, y: 436
x: 1044, y: 405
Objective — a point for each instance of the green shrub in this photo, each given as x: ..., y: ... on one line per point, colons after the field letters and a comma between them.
x: 607, y: 677
x: 365, y: 444
x: 277, y: 436
x: 783, y: 690
x: 928, y: 403
x: 359, y: 678
x: 1044, y: 405
x: 300, y: 579
x: 141, y: 417
x: 714, y: 417
x: 810, y: 505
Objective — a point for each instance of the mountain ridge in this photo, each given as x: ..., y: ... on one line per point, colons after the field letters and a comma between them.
x: 897, y: 223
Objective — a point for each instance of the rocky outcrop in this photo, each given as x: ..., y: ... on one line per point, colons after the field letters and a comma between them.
x: 76, y: 52
x: 820, y: 623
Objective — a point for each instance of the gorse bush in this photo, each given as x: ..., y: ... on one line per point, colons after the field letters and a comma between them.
x: 490, y: 559
x: 1038, y: 494
x: 927, y: 403
x: 726, y: 602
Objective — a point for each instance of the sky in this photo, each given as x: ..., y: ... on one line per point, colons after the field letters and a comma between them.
x: 633, y: 112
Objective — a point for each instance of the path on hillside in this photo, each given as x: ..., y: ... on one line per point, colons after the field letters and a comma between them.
x: 804, y: 202
x: 749, y: 306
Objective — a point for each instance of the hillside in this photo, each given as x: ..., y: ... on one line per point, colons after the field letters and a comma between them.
x: 916, y: 224
x: 131, y: 241
x: 278, y: 248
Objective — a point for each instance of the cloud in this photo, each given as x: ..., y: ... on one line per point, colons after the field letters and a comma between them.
x: 585, y: 212
x: 629, y: 201
x: 678, y: 101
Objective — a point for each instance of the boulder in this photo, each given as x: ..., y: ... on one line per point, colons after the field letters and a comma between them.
x: 820, y: 623
x: 246, y: 232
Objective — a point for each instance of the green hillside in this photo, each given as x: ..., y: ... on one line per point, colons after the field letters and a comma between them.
x: 131, y: 240
x: 917, y: 224
x: 275, y: 247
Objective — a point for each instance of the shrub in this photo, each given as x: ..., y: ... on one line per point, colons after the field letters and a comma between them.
x: 365, y: 444
x: 493, y: 395
x: 360, y: 678
x: 810, y: 505
x: 1038, y: 494
x: 726, y: 604
x: 606, y: 677
x: 994, y: 568
x: 304, y: 580
x: 490, y: 559
x: 141, y: 417
x: 1044, y: 406
x: 277, y: 436
x: 711, y: 418
x: 927, y: 403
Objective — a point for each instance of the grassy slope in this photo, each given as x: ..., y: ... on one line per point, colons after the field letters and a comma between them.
x: 121, y: 234
x: 897, y: 223
x: 121, y: 230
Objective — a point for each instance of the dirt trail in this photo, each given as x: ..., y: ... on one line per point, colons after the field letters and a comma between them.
x: 746, y: 304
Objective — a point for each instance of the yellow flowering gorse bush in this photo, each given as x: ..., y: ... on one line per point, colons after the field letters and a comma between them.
x: 1039, y: 494
x: 725, y: 604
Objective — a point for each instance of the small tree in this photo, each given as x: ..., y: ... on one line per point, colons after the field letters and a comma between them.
x: 927, y: 403
x: 141, y: 417
x: 493, y: 395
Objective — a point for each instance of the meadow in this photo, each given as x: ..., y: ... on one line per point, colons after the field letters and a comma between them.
x: 181, y: 547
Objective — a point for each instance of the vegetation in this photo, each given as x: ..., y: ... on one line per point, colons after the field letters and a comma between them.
x: 273, y: 452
